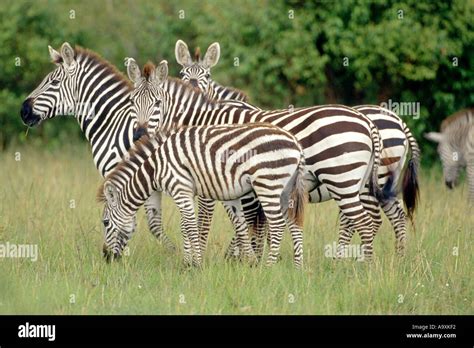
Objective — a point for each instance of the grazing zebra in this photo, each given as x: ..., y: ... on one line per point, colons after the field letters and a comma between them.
x: 87, y: 86
x: 224, y: 162
x: 456, y: 148
x: 395, y: 134
x: 341, y: 146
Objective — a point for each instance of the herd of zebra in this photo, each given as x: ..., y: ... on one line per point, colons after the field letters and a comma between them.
x: 192, y: 137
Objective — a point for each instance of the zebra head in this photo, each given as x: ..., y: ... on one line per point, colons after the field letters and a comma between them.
x: 147, y: 97
x: 197, y: 72
x: 55, y: 95
x: 119, y: 225
x: 451, y: 157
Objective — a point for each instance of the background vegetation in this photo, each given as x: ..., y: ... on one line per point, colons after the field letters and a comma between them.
x: 289, y: 52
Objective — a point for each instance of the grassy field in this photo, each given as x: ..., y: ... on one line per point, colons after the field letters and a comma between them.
x: 48, y: 199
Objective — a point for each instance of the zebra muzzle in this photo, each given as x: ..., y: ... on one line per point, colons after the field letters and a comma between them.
x: 109, y: 255
x: 138, y: 133
x: 28, y: 117
x: 449, y: 184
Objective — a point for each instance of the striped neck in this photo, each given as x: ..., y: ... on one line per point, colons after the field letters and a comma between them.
x: 102, y: 108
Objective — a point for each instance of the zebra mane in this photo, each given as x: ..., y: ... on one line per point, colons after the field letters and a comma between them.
x: 197, y: 54
x: 462, y: 117
x: 85, y: 53
x: 148, y: 69
x: 135, y: 156
x: 194, y: 95
x: 242, y: 96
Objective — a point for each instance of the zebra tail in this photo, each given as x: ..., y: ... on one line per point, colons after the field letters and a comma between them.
x: 410, y: 187
x: 387, y: 192
x: 298, y: 196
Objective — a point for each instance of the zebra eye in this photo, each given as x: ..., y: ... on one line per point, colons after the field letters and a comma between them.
x: 55, y: 82
x: 106, y: 222
x: 208, y: 75
x: 181, y: 74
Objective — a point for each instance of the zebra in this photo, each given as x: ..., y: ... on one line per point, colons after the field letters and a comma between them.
x: 223, y: 162
x: 456, y: 148
x: 90, y: 88
x: 395, y: 134
x: 342, y: 147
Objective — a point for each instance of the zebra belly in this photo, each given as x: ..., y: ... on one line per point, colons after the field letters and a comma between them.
x: 224, y: 189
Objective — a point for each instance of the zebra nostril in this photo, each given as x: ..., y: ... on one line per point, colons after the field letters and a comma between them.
x: 449, y: 184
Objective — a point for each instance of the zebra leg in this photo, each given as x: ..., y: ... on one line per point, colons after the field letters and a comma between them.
x: 359, y: 221
x: 276, y: 224
x: 395, y: 213
x: 255, y: 219
x: 205, y: 213
x: 153, y: 214
x: 372, y: 207
x: 273, y: 211
x: 297, y: 237
x: 235, y: 213
x: 232, y: 250
x: 345, y: 235
x: 189, y: 229
x: 346, y: 232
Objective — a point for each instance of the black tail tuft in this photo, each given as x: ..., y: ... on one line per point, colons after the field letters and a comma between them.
x: 410, y: 189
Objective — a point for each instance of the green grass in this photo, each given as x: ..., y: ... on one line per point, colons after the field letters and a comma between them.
x: 35, y: 209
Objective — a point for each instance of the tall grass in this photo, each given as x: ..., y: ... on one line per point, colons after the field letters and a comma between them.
x: 48, y: 199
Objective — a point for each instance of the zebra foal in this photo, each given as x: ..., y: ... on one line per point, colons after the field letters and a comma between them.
x: 223, y: 162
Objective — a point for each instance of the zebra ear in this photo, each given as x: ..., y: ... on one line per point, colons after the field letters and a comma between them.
x: 212, y: 55
x: 111, y: 194
x: 68, y: 54
x: 161, y: 72
x: 434, y: 136
x: 55, y: 56
x: 181, y: 51
x: 133, y: 71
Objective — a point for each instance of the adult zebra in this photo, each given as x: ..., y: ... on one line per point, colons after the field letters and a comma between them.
x: 456, y: 148
x: 395, y: 134
x: 224, y: 162
x: 87, y: 86
x: 341, y: 146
